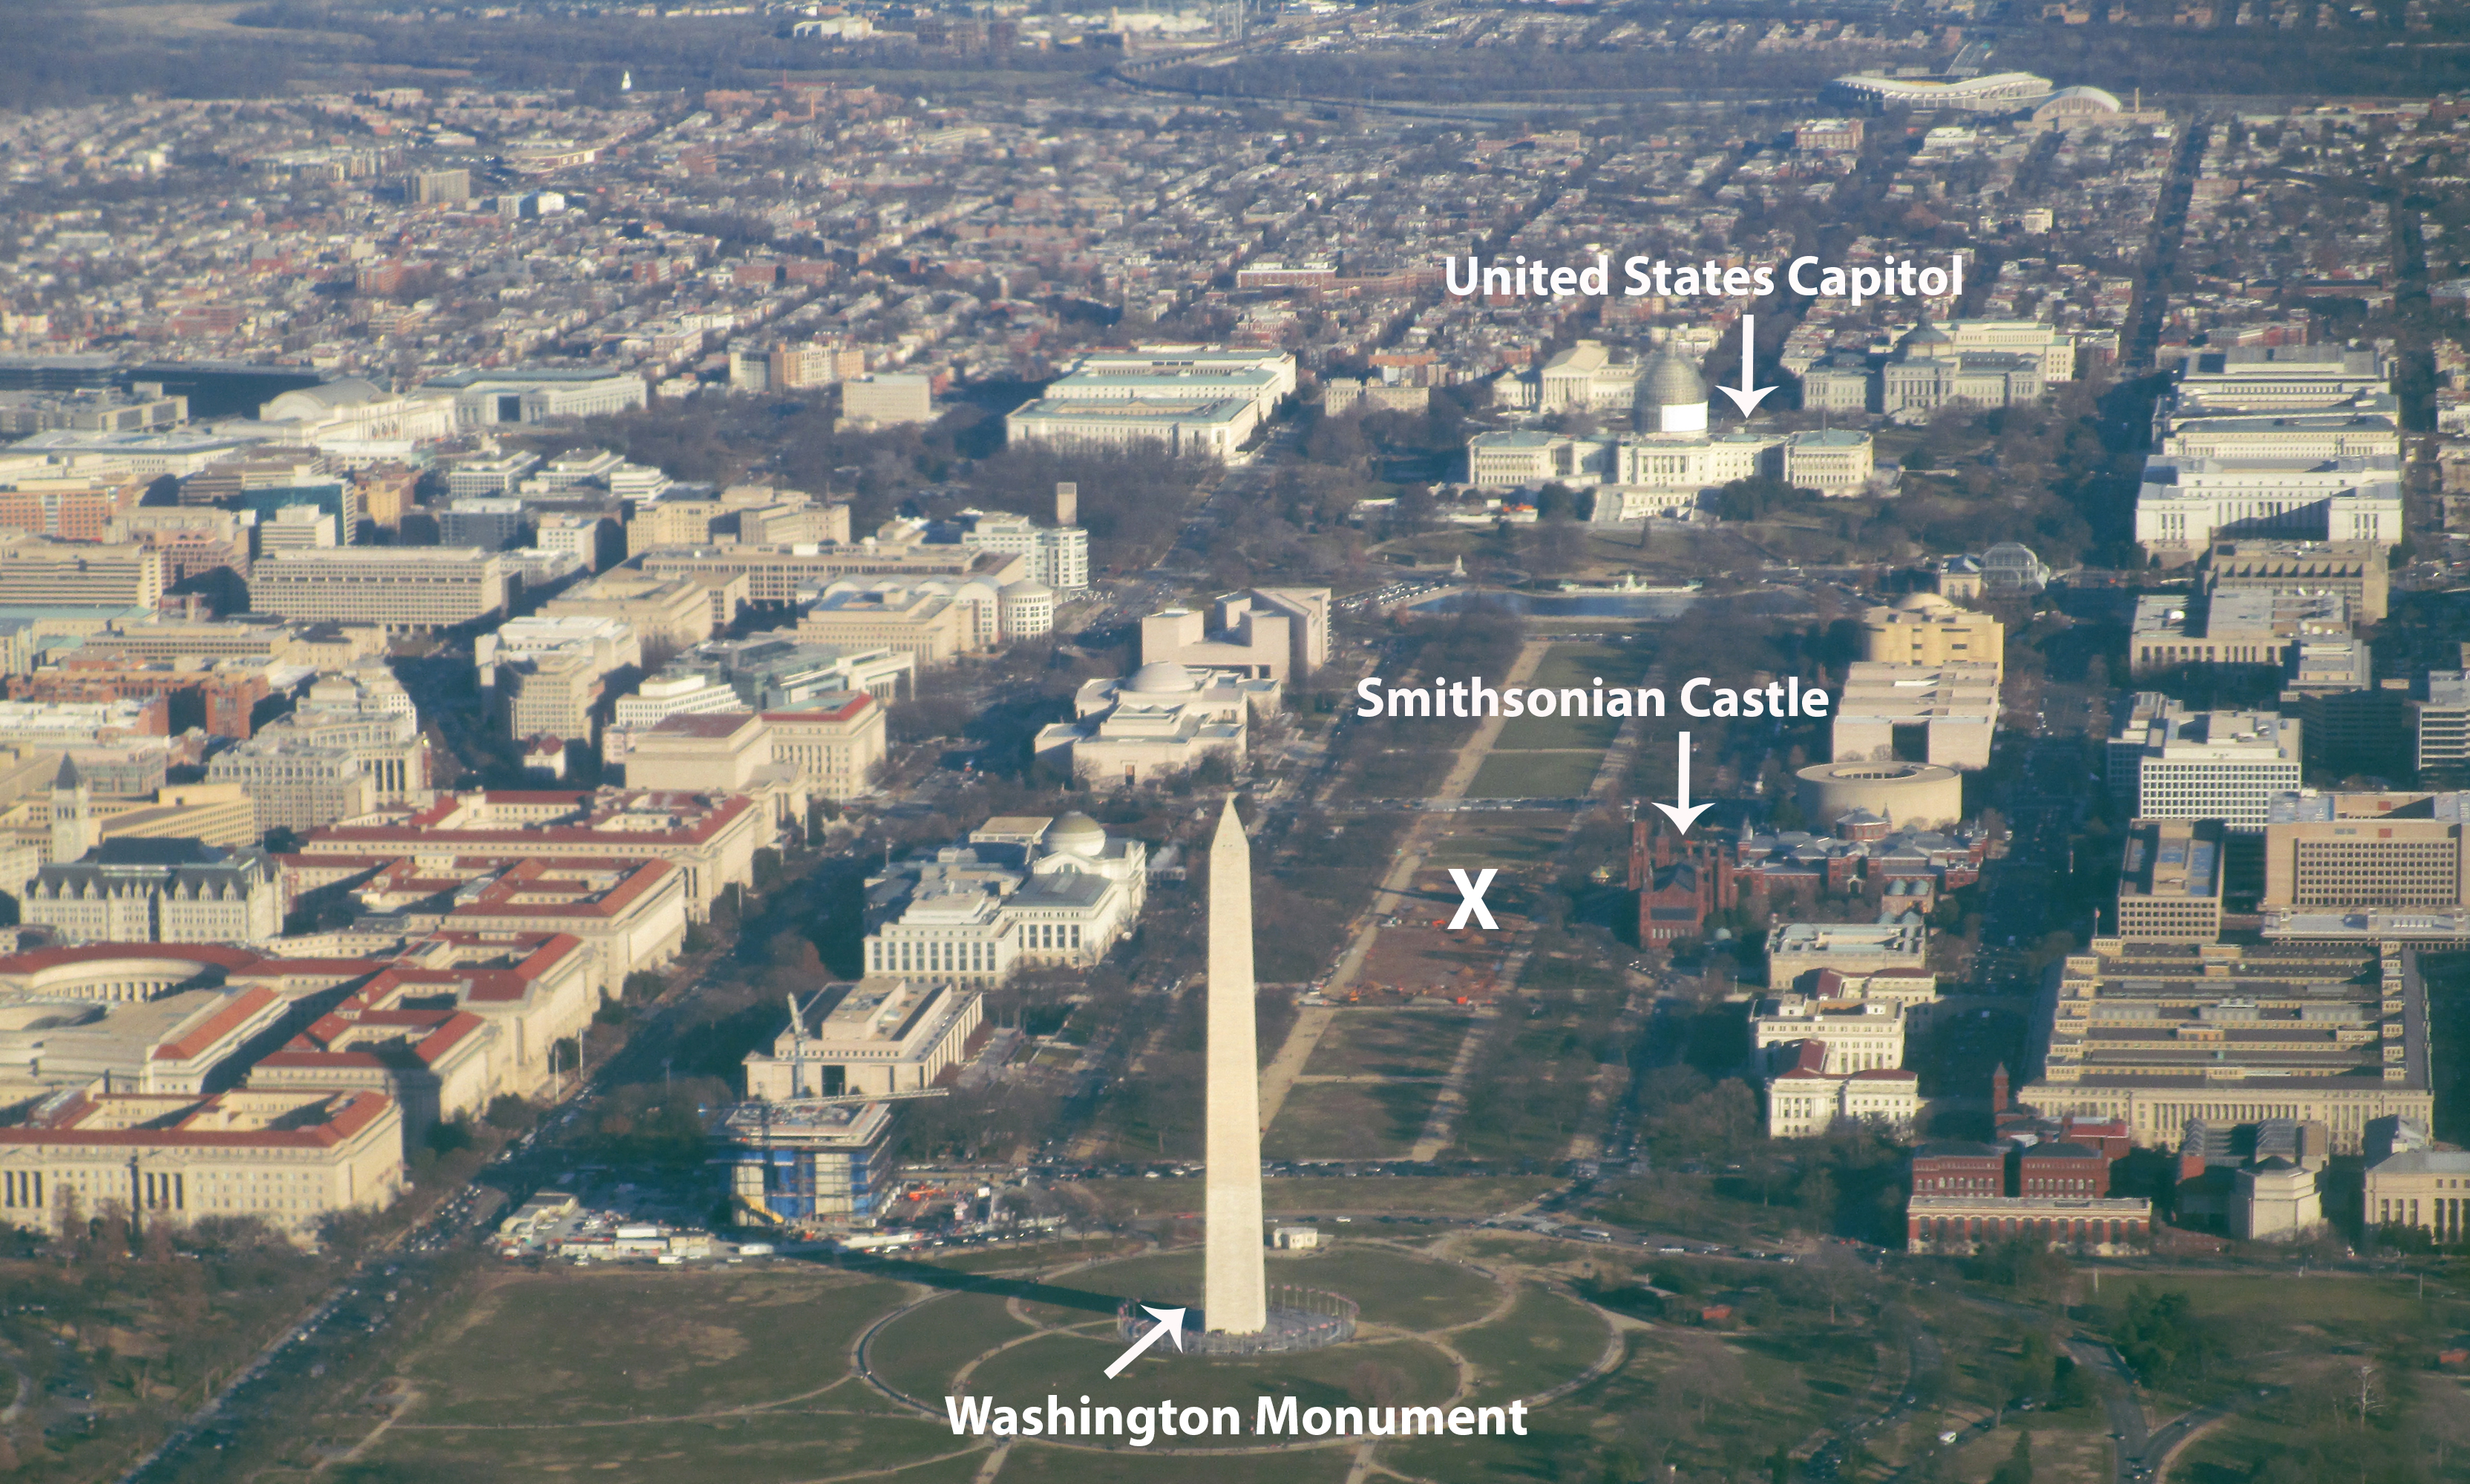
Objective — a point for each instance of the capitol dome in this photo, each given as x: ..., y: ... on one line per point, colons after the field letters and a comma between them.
x: 1074, y: 834
x: 1671, y: 396
x: 1160, y: 678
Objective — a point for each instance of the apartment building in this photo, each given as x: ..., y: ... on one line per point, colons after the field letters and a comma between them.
x: 887, y: 400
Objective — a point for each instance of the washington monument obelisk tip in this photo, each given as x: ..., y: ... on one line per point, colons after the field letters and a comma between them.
x: 1234, y: 1287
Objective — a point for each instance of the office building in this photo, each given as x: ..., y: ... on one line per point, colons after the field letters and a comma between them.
x: 2161, y: 1034
x: 887, y: 400
x: 393, y: 587
x: 2170, y: 882
x: 1855, y: 1036
x: 1179, y: 373
x: 878, y: 1035
x: 1022, y: 891
x: 294, y: 784
x: 39, y: 572
x: 132, y: 890
x: 486, y: 399
x: 289, y: 1160
x: 711, y: 837
x: 490, y: 523
x: 1834, y: 461
x: 2344, y: 850
x: 296, y: 529
x: 2169, y: 763
x: 2187, y: 502
x: 1207, y: 428
x: 1799, y: 951
x: 1925, y: 628
x: 1942, y: 714
x: 1280, y: 634
x: 808, y: 1164
x: 784, y: 574
x: 2425, y: 1189
x: 1159, y: 723
x: 336, y: 497
x: 831, y: 750
x: 1805, y: 1099
x: 1928, y: 370
x: 2241, y: 627
x: 545, y: 675
x: 679, y: 612
x: 493, y: 475
x: 2440, y: 726
x: 2355, y: 571
x: 1058, y: 555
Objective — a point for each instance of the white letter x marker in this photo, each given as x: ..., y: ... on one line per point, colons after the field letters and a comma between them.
x: 1472, y: 891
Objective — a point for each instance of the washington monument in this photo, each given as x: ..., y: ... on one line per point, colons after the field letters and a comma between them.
x: 1234, y: 1289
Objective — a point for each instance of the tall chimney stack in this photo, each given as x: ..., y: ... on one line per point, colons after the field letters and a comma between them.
x: 1067, y: 504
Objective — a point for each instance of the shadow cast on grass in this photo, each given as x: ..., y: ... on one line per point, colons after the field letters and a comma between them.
x: 902, y: 1271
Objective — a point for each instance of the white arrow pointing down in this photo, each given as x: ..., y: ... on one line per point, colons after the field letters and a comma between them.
x: 1685, y: 814
x: 1746, y: 397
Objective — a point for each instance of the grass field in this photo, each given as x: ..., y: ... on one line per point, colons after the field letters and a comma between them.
x: 1573, y: 665
x: 611, y: 1346
x: 1387, y: 1043
x: 1307, y: 1194
x: 1472, y: 841
x: 2322, y: 1311
x: 1391, y: 1288
x: 1408, y: 1371
x: 1534, y: 774
x: 1350, y: 1120
x: 753, y: 1447
x: 1033, y: 1463
x: 1041, y: 1253
x: 918, y: 1352
x: 1539, y: 1344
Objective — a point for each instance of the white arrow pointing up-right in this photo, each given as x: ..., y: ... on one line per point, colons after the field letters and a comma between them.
x: 1685, y: 814
x: 1170, y: 1324
x: 1747, y: 397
